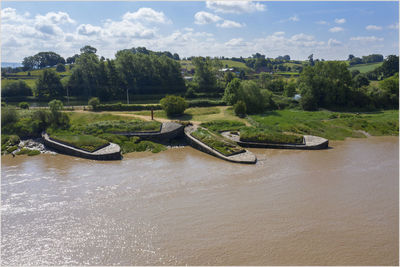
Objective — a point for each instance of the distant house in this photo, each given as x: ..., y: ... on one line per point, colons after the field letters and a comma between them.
x: 188, y: 78
x: 226, y: 69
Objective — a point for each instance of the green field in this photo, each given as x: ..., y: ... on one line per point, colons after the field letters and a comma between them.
x: 363, y: 68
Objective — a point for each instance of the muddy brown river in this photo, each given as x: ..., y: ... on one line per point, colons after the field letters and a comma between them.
x: 332, y: 207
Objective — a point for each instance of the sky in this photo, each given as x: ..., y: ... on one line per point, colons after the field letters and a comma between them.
x: 328, y: 30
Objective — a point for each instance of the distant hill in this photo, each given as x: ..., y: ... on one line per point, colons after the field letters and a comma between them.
x: 10, y: 64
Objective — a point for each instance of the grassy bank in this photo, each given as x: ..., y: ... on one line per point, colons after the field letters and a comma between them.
x: 330, y: 125
x: 217, y: 142
x: 85, y: 142
x: 249, y: 134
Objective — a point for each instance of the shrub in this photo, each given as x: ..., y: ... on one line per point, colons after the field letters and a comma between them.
x: 240, y: 108
x: 173, y: 105
x: 8, y: 116
x: 24, y: 105
x: 223, y: 125
x: 190, y: 93
x: 94, y: 102
x: 60, y: 67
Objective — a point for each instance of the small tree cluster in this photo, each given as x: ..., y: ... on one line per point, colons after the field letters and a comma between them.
x: 173, y: 105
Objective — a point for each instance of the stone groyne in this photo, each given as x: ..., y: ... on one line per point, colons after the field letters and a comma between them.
x: 310, y: 143
x: 245, y: 157
x: 110, y: 152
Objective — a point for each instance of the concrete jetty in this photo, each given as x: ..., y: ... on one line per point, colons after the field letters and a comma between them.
x: 310, y: 143
x: 110, y: 152
x: 245, y: 157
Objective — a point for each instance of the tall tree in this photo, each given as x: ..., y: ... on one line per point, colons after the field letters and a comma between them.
x: 49, y: 85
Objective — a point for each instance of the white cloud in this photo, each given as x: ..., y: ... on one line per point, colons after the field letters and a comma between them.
x: 294, y: 18
x: 10, y: 15
x: 334, y: 42
x: 202, y: 18
x: 54, y: 18
x: 237, y: 7
x: 236, y: 42
x: 340, y: 21
x: 394, y: 26
x: 322, y: 22
x: 230, y: 24
x: 147, y: 15
x: 279, y: 33
x: 88, y: 30
x: 373, y: 28
x: 336, y: 29
x: 188, y: 29
x: 367, y: 39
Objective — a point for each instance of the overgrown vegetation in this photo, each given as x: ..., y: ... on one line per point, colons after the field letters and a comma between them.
x: 85, y: 142
x: 173, y: 105
x: 217, y: 142
x: 250, y: 134
x: 223, y: 125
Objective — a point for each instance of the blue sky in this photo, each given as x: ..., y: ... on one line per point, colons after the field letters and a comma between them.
x: 329, y: 30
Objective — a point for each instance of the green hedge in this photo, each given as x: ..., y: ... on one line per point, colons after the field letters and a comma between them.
x: 125, y: 107
x: 205, y: 103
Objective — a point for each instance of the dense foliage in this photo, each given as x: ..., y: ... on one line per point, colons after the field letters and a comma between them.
x: 49, y: 85
x: 16, y: 88
x: 173, y: 105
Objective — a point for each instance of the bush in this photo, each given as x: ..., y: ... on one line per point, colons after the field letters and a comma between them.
x: 173, y: 105
x: 60, y: 67
x: 94, y: 102
x: 223, y: 125
x: 8, y: 116
x: 24, y: 105
x: 268, y: 136
x: 240, y: 108
x: 205, y: 103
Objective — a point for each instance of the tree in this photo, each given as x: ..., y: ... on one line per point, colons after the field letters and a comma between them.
x: 232, y: 92
x: 326, y: 84
x: 16, y: 88
x: 173, y: 105
x: 57, y: 118
x: 240, y: 108
x: 360, y: 80
x: 390, y: 66
x: 87, y: 49
x: 23, y: 105
x: 60, y: 67
x: 391, y: 87
x: 94, y: 102
x: 176, y: 56
x: 205, y: 74
x: 350, y: 57
x: 49, y: 84
x: 290, y: 89
x: 71, y: 60
x: 311, y: 59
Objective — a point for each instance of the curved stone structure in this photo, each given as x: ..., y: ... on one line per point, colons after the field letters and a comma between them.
x: 168, y: 131
x: 310, y: 143
x: 245, y: 157
x: 110, y: 152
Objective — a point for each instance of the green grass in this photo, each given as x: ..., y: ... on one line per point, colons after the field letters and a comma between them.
x: 217, y: 142
x: 29, y: 152
x: 330, y: 125
x: 133, y: 144
x: 189, y: 114
x: 363, y: 68
x: 223, y: 125
x: 234, y: 64
x: 85, y: 142
x: 118, y: 126
x: 250, y: 134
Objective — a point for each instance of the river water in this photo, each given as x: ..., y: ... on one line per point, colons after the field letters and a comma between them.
x: 332, y: 207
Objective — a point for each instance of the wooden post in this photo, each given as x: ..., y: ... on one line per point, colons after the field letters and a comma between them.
x: 152, y: 114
